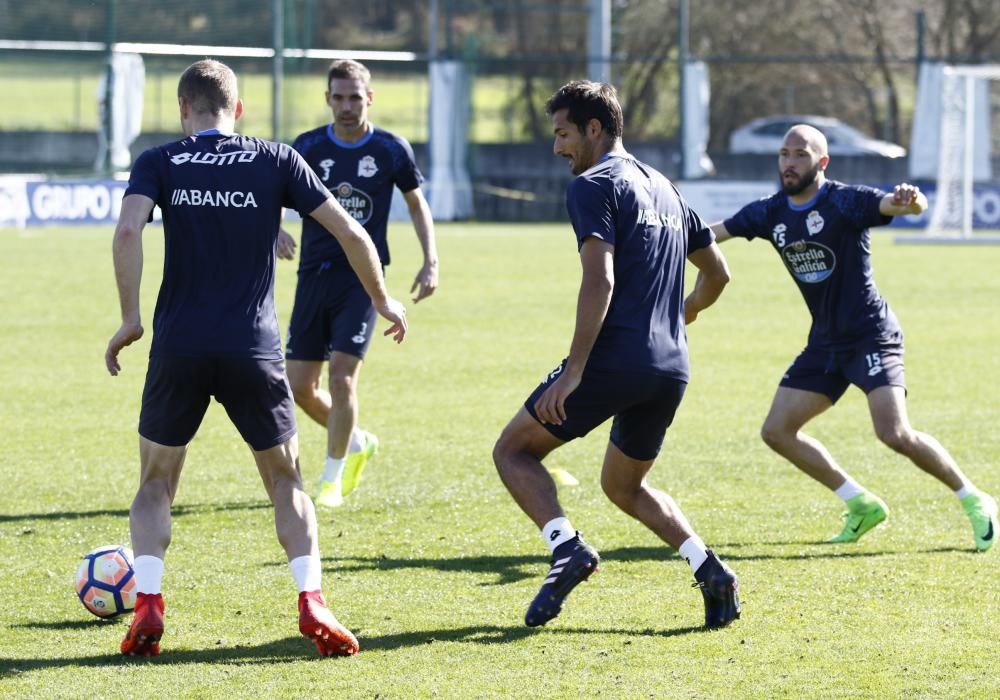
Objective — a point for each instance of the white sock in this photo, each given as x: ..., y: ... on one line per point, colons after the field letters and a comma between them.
x: 693, y: 549
x: 557, y: 531
x: 148, y: 574
x: 966, y: 490
x: 333, y: 469
x: 358, y: 440
x: 307, y: 572
x: 849, y: 489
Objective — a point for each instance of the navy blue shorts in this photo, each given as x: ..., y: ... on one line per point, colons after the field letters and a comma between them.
x: 869, y: 364
x: 255, y: 394
x: 332, y: 313
x: 643, y: 405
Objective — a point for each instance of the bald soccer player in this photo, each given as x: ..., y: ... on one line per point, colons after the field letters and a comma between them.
x: 819, y: 227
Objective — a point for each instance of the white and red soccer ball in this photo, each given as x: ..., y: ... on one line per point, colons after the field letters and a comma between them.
x: 105, y: 581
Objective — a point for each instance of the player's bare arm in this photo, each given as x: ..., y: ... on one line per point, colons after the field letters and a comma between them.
x: 286, y: 245
x: 426, y: 280
x: 713, y: 276
x: 721, y: 232
x: 361, y: 253
x: 904, y: 199
x: 596, y: 286
x: 127, y: 250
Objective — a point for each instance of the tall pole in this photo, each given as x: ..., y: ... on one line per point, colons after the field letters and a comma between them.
x: 109, y: 87
x: 599, y: 41
x: 682, y: 60
x: 447, y: 29
x: 432, y: 32
x: 921, y: 36
x: 277, y: 65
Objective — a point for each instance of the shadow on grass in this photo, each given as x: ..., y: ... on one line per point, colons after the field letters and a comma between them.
x: 294, y: 649
x: 65, y: 625
x: 513, y: 568
x: 491, y: 634
x: 177, y: 512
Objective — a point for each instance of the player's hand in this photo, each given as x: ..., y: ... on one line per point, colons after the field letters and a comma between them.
x: 126, y: 335
x: 905, y: 195
x: 286, y: 245
x: 690, y: 312
x: 426, y: 281
x: 551, y: 405
x: 394, y: 312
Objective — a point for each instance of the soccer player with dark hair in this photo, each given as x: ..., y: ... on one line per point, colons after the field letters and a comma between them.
x: 333, y: 318
x: 819, y: 227
x: 628, y: 357
x: 215, y: 332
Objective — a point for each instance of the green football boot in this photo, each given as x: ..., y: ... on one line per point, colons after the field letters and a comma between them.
x: 356, y: 462
x: 330, y: 495
x: 982, y: 512
x: 864, y: 512
x: 563, y: 477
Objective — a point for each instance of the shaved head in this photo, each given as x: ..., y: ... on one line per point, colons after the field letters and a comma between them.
x: 801, y: 160
x: 803, y: 135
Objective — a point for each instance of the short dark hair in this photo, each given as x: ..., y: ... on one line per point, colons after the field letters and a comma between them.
x: 209, y: 87
x: 347, y: 69
x: 585, y: 100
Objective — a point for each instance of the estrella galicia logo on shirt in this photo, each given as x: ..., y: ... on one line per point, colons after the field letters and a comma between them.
x: 367, y: 167
x: 814, y: 222
x: 357, y: 203
x: 808, y: 261
x: 202, y: 158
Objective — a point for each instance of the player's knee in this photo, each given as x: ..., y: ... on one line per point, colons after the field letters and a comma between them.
x: 895, y: 437
x: 303, y: 389
x: 773, y: 435
x: 624, y: 489
x: 508, y: 447
x: 341, y: 386
x: 621, y: 494
x: 502, y: 449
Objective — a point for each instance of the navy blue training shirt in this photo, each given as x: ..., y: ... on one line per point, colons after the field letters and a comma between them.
x: 361, y: 176
x: 826, y: 247
x: 636, y: 209
x: 221, y: 198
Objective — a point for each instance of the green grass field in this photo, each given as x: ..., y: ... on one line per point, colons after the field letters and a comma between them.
x: 432, y: 564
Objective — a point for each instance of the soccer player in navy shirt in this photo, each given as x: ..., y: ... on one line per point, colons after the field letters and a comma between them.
x: 333, y: 317
x: 819, y: 227
x: 628, y: 358
x: 215, y: 332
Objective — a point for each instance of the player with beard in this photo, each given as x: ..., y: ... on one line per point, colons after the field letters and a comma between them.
x: 628, y: 358
x: 820, y: 229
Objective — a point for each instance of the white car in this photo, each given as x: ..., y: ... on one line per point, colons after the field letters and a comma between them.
x: 765, y: 135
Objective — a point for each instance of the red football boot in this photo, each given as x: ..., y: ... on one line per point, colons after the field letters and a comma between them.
x: 143, y: 636
x: 318, y: 624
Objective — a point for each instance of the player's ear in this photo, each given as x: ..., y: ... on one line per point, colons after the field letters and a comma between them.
x: 823, y: 162
x: 371, y: 95
x: 594, y: 128
x: 327, y: 96
x: 238, y: 112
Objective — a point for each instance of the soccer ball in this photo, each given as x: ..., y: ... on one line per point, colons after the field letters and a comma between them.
x: 105, y: 581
